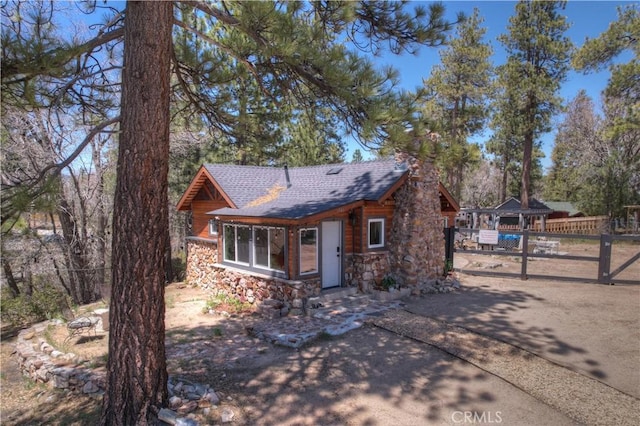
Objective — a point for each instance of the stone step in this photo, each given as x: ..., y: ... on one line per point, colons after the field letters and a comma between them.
x: 336, y: 293
x: 336, y: 300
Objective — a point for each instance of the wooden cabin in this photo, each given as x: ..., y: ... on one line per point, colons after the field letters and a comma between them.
x: 296, y: 225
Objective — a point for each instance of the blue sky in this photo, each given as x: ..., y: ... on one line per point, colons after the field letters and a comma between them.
x: 587, y: 18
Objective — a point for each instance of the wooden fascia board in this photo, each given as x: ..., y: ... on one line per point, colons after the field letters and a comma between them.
x: 194, y: 187
x: 394, y: 188
x: 187, y: 197
x: 337, y: 211
x: 444, y: 191
x: 256, y: 220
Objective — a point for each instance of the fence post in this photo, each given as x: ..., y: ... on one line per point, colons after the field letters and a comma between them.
x: 525, y: 251
x: 604, y: 264
x: 449, y: 237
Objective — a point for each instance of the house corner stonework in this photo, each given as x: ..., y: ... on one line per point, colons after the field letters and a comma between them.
x: 416, y: 242
x: 366, y: 270
x: 201, y: 257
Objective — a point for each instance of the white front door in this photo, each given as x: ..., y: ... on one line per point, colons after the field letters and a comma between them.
x: 331, y: 254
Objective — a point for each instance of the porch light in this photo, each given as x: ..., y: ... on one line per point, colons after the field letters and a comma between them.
x: 353, y: 218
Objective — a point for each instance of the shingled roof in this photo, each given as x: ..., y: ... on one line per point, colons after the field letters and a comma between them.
x: 266, y: 191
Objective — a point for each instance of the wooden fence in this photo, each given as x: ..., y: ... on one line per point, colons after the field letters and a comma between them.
x: 531, y: 245
x: 592, y: 225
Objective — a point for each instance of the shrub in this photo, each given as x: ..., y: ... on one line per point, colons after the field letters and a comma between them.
x: 46, y: 302
x: 179, y: 266
x: 226, y: 303
x: 388, y: 282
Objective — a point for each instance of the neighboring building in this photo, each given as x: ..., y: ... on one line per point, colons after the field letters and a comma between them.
x: 508, y: 215
x: 288, y: 233
x: 563, y: 209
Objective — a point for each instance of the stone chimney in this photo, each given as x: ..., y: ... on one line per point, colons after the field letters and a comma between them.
x: 416, y: 243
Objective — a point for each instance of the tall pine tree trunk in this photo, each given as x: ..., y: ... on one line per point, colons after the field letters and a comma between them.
x: 136, y: 369
x: 526, y: 171
x: 530, y: 116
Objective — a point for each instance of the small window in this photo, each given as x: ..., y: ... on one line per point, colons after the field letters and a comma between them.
x: 308, y: 251
x: 213, y: 227
x: 376, y: 233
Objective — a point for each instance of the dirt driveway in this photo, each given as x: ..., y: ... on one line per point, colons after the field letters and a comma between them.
x: 591, y: 328
x: 374, y: 377
x: 371, y: 376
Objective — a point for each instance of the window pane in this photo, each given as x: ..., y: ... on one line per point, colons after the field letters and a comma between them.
x: 308, y: 251
x: 213, y: 227
x: 261, y: 243
x: 375, y: 233
x: 229, y: 243
x: 276, y: 244
x: 243, y: 234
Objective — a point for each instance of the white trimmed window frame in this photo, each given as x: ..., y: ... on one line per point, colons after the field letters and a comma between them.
x: 213, y: 227
x: 380, y: 244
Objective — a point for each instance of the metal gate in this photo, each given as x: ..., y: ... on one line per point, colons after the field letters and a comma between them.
x: 527, y: 245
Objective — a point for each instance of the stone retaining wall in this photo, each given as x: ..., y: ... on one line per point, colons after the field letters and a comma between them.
x: 42, y: 363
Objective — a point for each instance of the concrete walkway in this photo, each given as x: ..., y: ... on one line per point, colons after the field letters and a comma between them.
x: 581, y: 398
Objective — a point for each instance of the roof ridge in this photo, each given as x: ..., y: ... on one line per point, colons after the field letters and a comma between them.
x: 239, y: 165
x: 375, y: 160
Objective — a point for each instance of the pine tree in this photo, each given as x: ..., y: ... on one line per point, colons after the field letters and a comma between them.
x: 357, y: 156
x: 458, y: 90
x: 295, y: 49
x: 537, y: 63
x: 136, y: 368
x: 580, y: 127
x: 619, y: 151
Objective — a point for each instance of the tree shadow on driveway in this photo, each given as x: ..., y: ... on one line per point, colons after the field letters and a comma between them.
x: 592, y: 329
x: 367, y: 377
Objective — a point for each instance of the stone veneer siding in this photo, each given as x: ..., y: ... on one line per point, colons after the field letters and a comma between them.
x: 416, y: 243
x: 366, y: 270
x: 246, y: 286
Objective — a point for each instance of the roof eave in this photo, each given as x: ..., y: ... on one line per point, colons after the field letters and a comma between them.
x: 196, y: 184
x: 452, y: 201
x: 316, y: 216
x: 389, y: 192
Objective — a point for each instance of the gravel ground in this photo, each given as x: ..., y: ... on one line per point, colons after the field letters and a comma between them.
x: 590, y: 328
x: 581, y: 398
x: 496, y: 352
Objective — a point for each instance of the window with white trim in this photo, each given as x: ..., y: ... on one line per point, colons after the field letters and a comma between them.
x: 375, y: 235
x: 308, y: 242
x: 236, y: 243
x: 269, y: 248
x: 213, y: 227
